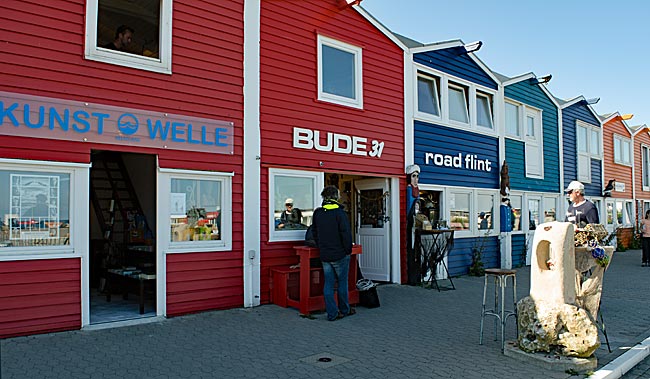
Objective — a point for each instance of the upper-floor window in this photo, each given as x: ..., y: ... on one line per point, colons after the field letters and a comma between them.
x: 458, y: 110
x: 484, y: 110
x: 588, y: 148
x: 513, y: 127
x: 339, y: 72
x: 622, y: 151
x: 645, y: 168
x: 428, y: 100
x: 130, y: 34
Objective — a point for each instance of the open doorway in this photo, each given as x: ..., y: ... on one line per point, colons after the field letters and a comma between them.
x: 122, y: 236
x: 366, y: 200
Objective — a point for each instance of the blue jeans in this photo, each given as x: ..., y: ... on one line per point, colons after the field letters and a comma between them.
x: 336, y: 271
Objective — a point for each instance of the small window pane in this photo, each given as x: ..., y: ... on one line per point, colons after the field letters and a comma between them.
x: 530, y: 126
x: 485, y: 211
x: 610, y: 213
x: 293, y: 202
x: 582, y: 139
x: 549, y: 210
x: 428, y: 96
x: 595, y: 143
x: 533, y: 214
x: 512, y: 120
x: 459, y: 211
x: 619, y: 212
x: 457, y: 105
x: 483, y: 111
x: 617, y: 150
x: 515, y: 203
x: 645, y: 168
x: 338, y: 72
x: 195, y: 211
x: 626, y: 152
x: 130, y: 28
x: 35, y: 208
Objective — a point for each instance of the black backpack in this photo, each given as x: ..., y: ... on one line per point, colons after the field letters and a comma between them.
x: 309, y: 237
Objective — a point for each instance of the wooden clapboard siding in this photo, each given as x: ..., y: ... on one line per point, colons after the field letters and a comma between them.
x: 460, y: 257
x: 455, y: 61
x: 612, y: 170
x: 43, y: 55
x: 570, y: 115
x: 288, y: 99
x: 437, y: 139
x: 39, y: 296
x: 533, y: 95
x: 519, y: 250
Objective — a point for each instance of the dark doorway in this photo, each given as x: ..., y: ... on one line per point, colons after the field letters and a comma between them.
x: 122, y: 236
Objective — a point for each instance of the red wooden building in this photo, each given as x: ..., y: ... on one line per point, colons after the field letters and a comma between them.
x: 120, y: 160
x: 641, y: 152
x: 331, y: 113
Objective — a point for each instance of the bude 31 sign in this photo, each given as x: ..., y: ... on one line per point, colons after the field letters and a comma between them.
x: 337, y: 143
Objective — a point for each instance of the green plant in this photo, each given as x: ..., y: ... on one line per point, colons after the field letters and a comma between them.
x: 476, y: 268
x: 620, y: 247
x: 636, y: 241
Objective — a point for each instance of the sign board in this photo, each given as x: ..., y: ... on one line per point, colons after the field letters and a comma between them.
x: 44, y: 117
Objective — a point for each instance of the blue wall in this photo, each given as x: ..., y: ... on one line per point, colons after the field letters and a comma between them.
x: 579, y: 111
x: 532, y: 95
x: 455, y: 61
x: 460, y: 257
x: 518, y: 252
x: 432, y: 138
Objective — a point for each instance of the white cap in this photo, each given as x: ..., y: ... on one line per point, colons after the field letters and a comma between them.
x: 412, y: 168
x: 289, y: 201
x: 575, y: 185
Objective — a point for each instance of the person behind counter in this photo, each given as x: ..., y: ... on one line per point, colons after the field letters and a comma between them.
x: 291, y: 217
x: 123, y: 36
x: 333, y: 237
x: 581, y: 211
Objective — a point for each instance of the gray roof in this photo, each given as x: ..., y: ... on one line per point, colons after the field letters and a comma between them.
x: 410, y: 43
x: 501, y: 77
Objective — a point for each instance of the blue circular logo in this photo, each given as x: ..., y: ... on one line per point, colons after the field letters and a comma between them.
x: 128, y: 124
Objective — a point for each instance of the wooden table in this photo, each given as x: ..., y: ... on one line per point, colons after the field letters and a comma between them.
x: 124, y: 275
x: 309, y: 302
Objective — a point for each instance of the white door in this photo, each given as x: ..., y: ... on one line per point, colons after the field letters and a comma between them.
x: 373, y: 228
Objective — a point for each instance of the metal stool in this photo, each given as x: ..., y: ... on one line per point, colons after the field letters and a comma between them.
x: 500, y: 282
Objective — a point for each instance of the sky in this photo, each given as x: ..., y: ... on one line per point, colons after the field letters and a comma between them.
x: 597, y: 49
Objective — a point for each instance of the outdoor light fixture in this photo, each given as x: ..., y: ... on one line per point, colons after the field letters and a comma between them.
x: 349, y: 3
x: 544, y: 79
x: 593, y: 100
x: 473, y: 47
x: 627, y: 116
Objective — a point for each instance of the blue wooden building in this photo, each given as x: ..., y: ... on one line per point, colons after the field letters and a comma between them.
x: 454, y: 113
x: 532, y: 142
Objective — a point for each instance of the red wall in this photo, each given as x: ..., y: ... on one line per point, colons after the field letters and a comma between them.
x: 622, y: 173
x: 39, y: 296
x: 289, y: 92
x: 640, y: 138
x: 43, y: 54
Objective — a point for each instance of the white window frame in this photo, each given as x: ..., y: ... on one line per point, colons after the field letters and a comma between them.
x: 645, y: 167
x: 522, y: 208
x: 464, y: 92
x: 164, y: 221
x: 588, y: 154
x: 489, y: 100
x: 519, y: 107
x: 496, y: 213
x: 163, y: 64
x: 79, y: 210
x: 537, y: 140
x: 619, y: 157
x: 357, y: 101
x: 436, y: 85
x: 290, y: 235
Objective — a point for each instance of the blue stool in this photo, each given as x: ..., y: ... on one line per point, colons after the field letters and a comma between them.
x: 499, y: 311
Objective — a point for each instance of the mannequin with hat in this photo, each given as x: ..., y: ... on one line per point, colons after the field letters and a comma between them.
x: 412, y: 209
x: 581, y: 211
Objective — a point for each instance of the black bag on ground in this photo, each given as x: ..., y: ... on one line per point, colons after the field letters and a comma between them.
x: 368, y: 296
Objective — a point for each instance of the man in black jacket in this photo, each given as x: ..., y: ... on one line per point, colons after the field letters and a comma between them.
x: 334, y: 239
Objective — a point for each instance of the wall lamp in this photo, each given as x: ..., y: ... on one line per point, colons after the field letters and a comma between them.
x: 541, y: 79
x: 473, y: 46
x: 593, y: 100
x: 627, y: 116
x: 348, y: 3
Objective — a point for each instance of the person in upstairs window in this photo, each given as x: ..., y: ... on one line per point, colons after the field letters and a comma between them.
x: 333, y: 237
x: 581, y: 211
x: 123, y: 37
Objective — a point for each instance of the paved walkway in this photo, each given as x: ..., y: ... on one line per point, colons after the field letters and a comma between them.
x: 416, y: 333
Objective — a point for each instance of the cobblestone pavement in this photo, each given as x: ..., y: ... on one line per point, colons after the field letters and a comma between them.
x: 416, y: 333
